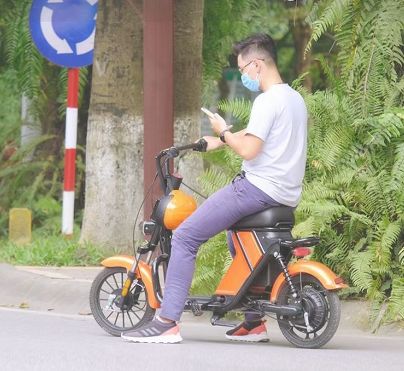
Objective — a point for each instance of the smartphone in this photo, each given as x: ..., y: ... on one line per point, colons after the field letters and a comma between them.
x: 207, y: 112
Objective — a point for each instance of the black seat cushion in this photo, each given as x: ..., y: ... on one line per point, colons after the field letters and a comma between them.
x: 274, y: 217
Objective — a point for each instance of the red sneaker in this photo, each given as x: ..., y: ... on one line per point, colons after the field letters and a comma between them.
x: 249, y: 331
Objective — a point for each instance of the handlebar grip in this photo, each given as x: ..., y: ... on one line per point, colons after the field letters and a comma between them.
x: 201, y: 145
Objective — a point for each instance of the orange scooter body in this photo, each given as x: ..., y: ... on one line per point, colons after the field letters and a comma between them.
x: 249, y: 253
x: 325, y: 275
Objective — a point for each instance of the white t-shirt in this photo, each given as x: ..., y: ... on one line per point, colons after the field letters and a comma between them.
x: 279, y: 118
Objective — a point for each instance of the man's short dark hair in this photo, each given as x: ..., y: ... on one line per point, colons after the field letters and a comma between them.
x: 260, y: 44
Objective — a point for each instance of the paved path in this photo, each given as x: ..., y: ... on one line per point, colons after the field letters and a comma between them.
x: 56, y: 332
x: 47, y: 341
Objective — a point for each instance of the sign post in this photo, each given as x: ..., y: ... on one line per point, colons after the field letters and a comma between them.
x: 64, y: 31
x: 70, y: 150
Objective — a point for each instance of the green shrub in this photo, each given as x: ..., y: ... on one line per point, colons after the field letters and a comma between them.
x: 52, y: 250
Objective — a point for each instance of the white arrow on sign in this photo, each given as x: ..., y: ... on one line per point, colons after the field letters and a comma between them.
x: 60, y: 45
x: 86, y: 45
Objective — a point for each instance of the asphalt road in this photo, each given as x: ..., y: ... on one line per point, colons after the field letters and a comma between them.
x: 44, y: 341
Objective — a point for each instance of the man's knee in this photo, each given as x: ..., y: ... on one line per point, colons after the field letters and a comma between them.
x: 187, y: 242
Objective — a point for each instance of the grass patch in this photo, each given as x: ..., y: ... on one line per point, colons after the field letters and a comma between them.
x: 51, y: 250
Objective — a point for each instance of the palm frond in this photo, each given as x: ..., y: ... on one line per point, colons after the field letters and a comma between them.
x: 239, y: 108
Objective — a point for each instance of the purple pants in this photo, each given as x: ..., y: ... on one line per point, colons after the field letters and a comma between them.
x: 217, y: 213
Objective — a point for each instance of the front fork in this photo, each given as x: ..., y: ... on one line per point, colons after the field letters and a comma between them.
x: 131, y: 275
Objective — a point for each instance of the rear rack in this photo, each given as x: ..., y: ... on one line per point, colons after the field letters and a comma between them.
x: 301, y: 242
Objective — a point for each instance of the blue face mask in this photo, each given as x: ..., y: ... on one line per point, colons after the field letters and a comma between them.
x: 249, y: 83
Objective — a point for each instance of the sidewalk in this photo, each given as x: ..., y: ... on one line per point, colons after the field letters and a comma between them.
x: 65, y: 290
x: 62, y: 290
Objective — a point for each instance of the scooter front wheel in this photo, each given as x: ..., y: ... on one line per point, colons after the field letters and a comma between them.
x: 104, y: 296
x: 320, y: 319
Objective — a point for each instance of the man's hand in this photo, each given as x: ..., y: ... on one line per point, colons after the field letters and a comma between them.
x: 213, y: 143
x: 218, y: 124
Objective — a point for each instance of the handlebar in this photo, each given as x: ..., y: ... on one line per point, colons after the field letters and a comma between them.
x: 199, y: 146
x: 172, y: 152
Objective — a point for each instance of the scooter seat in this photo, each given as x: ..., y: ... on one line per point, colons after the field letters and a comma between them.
x: 274, y: 217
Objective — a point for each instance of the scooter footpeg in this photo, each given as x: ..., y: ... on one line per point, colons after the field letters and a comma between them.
x: 195, y: 308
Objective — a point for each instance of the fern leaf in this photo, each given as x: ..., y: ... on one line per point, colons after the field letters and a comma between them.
x: 396, y: 305
x: 360, y: 270
x: 332, y: 14
x: 239, y: 108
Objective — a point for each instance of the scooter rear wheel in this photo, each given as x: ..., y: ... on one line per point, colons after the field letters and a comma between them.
x: 323, y: 312
x: 104, y: 295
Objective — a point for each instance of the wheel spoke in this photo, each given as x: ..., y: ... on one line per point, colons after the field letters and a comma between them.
x: 130, y: 319
x: 123, y: 319
x: 117, y: 316
x: 109, y: 315
x: 107, y: 292
x: 106, y: 281
x: 116, y: 283
x: 135, y: 314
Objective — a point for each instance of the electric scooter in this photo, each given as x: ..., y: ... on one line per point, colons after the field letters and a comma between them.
x: 269, y: 275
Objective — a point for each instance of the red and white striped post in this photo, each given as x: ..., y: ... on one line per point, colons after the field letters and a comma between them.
x: 70, y: 151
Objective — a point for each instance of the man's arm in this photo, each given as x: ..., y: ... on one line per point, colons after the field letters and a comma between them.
x: 215, y: 142
x: 246, y: 145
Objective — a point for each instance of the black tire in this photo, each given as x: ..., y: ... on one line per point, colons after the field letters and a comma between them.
x: 323, y: 308
x: 104, y: 291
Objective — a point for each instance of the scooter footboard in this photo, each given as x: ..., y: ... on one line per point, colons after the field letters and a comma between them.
x: 325, y: 275
x: 143, y: 272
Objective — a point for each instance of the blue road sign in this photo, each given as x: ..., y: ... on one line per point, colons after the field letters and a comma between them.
x: 64, y: 30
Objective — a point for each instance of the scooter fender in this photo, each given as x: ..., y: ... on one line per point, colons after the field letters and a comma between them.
x: 325, y: 275
x: 143, y: 272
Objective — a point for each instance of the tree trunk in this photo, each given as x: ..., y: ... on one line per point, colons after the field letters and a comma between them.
x: 188, y: 84
x: 301, y: 34
x: 114, y: 151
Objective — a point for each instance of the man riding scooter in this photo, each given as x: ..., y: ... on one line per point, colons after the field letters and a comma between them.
x: 273, y: 147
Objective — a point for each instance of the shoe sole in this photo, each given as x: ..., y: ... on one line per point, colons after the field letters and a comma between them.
x: 253, y: 338
x: 164, y: 339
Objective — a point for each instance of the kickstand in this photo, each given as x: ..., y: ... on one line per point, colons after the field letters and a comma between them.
x: 216, y: 321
